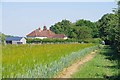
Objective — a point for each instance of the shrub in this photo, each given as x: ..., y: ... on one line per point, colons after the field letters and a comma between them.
x: 36, y: 40
x: 93, y: 40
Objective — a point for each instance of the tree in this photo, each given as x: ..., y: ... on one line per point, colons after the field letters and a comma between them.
x: 117, y: 33
x: 61, y: 27
x: 89, y: 24
x: 72, y: 29
x: 84, y: 32
x: 107, y: 27
x: 2, y: 37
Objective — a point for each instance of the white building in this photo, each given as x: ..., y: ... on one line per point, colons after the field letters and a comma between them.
x: 15, y: 40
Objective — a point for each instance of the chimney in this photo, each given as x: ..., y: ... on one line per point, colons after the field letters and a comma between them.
x: 39, y: 29
x: 36, y: 32
x: 44, y: 28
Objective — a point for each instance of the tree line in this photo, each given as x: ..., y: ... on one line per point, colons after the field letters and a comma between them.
x: 107, y: 28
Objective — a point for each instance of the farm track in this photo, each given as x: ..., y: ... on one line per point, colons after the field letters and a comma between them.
x: 67, y: 72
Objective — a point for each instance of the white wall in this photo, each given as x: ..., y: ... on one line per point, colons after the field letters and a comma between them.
x: 15, y: 42
x: 37, y: 37
x: 41, y: 37
x: 23, y: 40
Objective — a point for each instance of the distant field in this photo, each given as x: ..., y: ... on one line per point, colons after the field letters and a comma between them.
x: 17, y: 60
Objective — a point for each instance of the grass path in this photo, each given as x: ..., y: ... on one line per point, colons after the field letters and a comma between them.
x: 104, y: 65
x: 67, y: 72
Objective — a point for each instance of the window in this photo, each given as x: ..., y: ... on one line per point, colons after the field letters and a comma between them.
x: 19, y: 42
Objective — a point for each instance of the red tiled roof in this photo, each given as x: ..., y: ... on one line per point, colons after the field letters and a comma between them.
x: 44, y: 33
x: 58, y: 36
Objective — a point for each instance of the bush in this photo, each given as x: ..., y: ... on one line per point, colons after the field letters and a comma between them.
x: 92, y: 40
x: 43, y: 41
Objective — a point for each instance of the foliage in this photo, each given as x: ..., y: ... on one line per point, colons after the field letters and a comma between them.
x: 91, y: 26
x: 117, y: 34
x: 109, y: 28
x: 92, y: 40
x: 62, y: 27
x: 106, y: 28
x: 52, y: 41
x: 83, y: 22
x: 43, y: 41
x: 74, y: 30
x: 2, y: 37
x: 84, y: 32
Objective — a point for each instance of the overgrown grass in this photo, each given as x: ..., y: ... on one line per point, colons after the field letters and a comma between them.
x: 17, y: 60
x: 0, y: 61
x: 103, y: 65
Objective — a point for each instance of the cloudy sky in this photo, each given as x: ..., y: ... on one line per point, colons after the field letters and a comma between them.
x: 20, y: 18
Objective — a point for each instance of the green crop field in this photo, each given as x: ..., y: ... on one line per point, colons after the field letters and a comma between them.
x: 43, y: 60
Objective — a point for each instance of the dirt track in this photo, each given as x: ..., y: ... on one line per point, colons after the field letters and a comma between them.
x: 67, y: 72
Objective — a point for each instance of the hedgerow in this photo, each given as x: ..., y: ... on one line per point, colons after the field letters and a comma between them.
x: 44, y: 41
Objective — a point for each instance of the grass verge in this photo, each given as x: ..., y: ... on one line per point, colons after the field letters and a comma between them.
x: 103, y: 65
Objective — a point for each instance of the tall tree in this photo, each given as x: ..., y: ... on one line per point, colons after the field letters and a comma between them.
x: 107, y: 27
x: 2, y: 37
x: 62, y: 27
x: 117, y: 34
x: 89, y: 24
x: 72, y: 29
x: 84, y: 32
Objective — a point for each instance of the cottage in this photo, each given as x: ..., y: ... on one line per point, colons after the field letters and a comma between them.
x: 42, y: 34
x: 15, y: 40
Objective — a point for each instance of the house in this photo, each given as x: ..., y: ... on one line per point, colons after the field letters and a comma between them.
x: 15, y: 40
x: 42, y: 34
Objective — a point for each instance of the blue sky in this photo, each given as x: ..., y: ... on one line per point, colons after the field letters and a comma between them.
x: 20, y: 18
